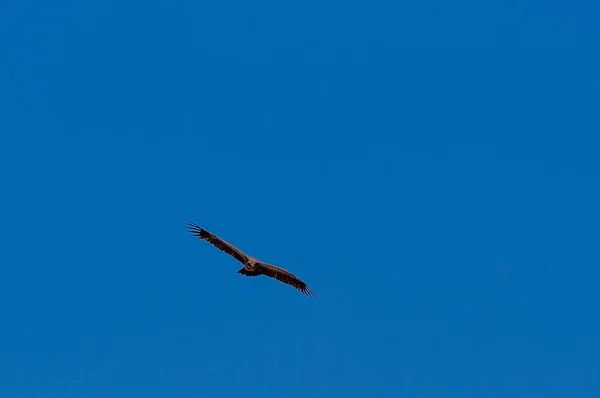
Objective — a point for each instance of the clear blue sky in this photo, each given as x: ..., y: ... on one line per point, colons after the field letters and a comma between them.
x: 431, y: 169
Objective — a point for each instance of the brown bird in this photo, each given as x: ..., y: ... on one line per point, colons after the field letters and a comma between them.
x: 252, y: 267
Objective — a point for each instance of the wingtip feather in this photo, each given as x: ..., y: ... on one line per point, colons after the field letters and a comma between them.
x: 308, y: 291
x: 194, y: 228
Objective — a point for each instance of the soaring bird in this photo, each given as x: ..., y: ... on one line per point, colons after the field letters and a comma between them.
x: 252, y: 266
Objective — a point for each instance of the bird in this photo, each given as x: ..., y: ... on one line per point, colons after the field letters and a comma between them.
x: 252, y: 266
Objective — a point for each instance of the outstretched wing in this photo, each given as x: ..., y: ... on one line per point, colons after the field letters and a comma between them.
x: 284, y: 276
x: 217, y: 242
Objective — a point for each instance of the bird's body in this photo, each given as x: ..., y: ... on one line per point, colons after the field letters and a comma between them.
x: 252, y: 266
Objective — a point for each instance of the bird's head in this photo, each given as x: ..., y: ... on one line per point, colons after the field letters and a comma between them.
x: 251, y: 262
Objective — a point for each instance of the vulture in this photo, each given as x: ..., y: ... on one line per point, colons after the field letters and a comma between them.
x: 252, y: 266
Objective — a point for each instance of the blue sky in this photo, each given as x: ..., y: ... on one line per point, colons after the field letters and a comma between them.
x: 431, y: 170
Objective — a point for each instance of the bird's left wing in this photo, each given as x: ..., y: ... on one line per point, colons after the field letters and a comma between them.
x: 217, y: 242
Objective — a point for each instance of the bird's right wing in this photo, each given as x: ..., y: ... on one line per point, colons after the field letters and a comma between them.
x: 217, y: 242
x: 284, y: 276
